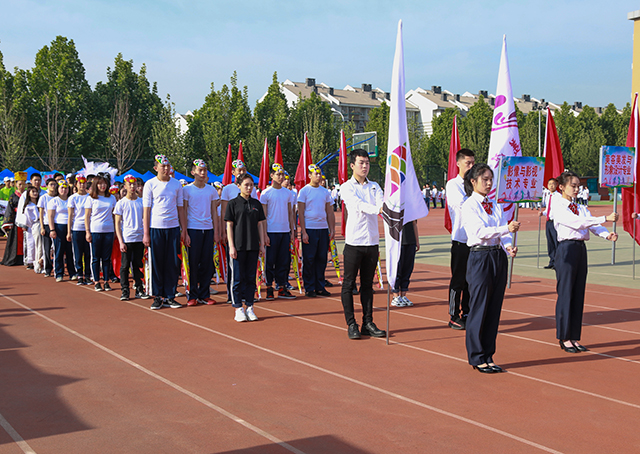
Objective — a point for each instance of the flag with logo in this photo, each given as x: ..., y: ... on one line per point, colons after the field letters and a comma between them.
x: 505, y: 139
x: 403, y: 202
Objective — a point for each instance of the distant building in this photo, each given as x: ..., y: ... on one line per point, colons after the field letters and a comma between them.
x: 181, y: 121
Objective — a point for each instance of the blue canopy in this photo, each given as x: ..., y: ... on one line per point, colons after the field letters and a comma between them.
x: 147, y: 176
x: 135, y: 173
x: 255, y: 178
x: 31, y: 170
x: 6, y: 173
x: 213, y: 177
x: 180, y: 176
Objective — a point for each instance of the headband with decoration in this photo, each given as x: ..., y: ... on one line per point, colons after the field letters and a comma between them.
x: 63, y: 184
x: 277, y: 168
x: 81, y: 179
x: 162, y: 159
x: 314, y: 168
x: 217, y: 185
x: 200, y: 163
x: 20, y: 176
x: 129, y: 179
x: 237, y: 164
x: 114, y: 189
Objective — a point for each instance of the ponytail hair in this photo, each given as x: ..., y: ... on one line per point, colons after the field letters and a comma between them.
x: 474, y: 173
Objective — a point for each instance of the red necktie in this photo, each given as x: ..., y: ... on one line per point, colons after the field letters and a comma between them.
x: 574, y: 208
x: 488, y: 206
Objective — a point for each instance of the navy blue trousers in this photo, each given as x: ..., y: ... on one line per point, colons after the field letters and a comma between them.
x: 571, y: 272
x: 278, y: 258
x: 405, y: 267
x: 132, y: 257
x: 244, y: 282
x: 458, y: 287
x: 63, y: 252
x: 552, y: 241
x: 232, y: 272
x: 487, y: 278
x: 165, y: 266
x: 200, y: 263
x: 314, y: 259
x: 81, y: 253
x: 101, y: 247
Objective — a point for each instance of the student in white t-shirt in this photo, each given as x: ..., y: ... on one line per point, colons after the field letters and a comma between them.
x: 33, y: 240
x: 77, y: 232
x: 52, y: 191
x: 163, y: 220
x: 201, y: 207
x: 317, y: 224
x: 277, y: 204
x: 128, y: 224
x: 98, y: 218
x: 58, y: 217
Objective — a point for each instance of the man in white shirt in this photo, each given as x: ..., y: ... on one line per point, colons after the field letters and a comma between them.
x: 458, y: 288
x: 552, y: 236
x: 364, y: 200
x: 163, y: 220
x: 317, y: 226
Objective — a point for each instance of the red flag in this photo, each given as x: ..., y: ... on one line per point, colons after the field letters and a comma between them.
x: 278, y: 157
x: 452, y: 172
x: 630, y: 195
x: 554, y: 163
x: 240, y: 155
x: 343, y: 173
x: 264, y: 168
x: 228, y: 170
x: 302, y: 173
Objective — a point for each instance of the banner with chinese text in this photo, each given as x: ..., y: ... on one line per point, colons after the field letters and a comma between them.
x: 616, y: 167
x: 520, y: 179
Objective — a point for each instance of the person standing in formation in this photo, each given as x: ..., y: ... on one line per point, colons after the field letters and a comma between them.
x: 77, y: 232
x: 550, y: 231
x: 58, y: 217
x: 458, y: 287
x: 98, y: 218
x: 410, y: 245
x: 45, y: 231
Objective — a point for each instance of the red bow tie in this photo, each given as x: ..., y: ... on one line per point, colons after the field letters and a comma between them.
x: 488, y: 206
x: 574, y: 208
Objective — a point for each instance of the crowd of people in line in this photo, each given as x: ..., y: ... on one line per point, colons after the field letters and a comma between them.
x: 95, y: 227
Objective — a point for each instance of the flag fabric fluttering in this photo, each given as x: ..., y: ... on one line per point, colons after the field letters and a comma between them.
x: 631, y: 196
x: 240, y: 154
x: 264, y: 168
x: 228, y: 170
x: 505, y: 139
x: 302, y: 172
x: 403, y: 202
x: 452, y: 171
x: 278, y: 156
x: 343, y: 174
x: 553, y: 163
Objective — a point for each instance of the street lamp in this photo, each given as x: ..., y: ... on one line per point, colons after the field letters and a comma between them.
x: 333, y: 109
x: 540, y: 107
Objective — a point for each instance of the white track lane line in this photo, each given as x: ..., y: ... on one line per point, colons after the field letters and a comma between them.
x: 152, y: 374
x: 16, y: 436
x: 289, y: 358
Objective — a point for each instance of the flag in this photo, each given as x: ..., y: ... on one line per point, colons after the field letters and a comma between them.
x: 630, y: 195
x: 505, y: 140
x: 278, y: 157
x: 553, y: 163
x: 302, y: 173
x: 264, y: 167
x: 343, y: 174
x: 452, y: 172
x: 228, y: 170
x: 401, y: 189
x: 240, y: 155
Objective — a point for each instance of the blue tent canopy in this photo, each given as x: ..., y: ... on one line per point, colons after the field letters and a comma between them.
x: 255, y: 178
x: 120, y: 178
x: 180, y: 176
x: 31, y: 170
x: 6, y: 173
x: 147, y: 176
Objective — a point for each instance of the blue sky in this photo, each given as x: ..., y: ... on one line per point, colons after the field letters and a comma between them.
x: 558, y: 50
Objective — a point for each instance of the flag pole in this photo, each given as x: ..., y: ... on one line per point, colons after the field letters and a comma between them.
x: 634, y: 229
x: 515, y: 236
x: 388, y: 309
x: 615, y: 210
x: 539, y: 227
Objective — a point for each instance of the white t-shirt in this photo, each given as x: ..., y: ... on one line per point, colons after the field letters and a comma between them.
x: 101, y: 214
x: 43, y: 202
x: 232, y: 190
x: 31, y: 214
x: 131, y: 212
x: 77, y: 202
x: 199, y: 201
x: 315, y: 200
x: 59, y: 207
x: 277, y: 202
x: 164, y: 198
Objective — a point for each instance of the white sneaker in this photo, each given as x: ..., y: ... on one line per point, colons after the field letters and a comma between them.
x: 240, y: 315
x: 406, y: 301
x: 398, y: 302
x: 251, y: 315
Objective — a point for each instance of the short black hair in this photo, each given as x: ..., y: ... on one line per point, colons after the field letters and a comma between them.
x: 565, y: 176
x: 464, y: 153
x: 35, y: 174
x: 553, y: 179
x: 58, y: 174
x: 358, y: 152
x: 473, y: 174
x: 241, y: 178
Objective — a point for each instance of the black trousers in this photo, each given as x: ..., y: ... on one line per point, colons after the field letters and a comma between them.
x: 571, y: 272
x: 278, y: 258
x: 46, y: 250
x: 200, y: 263
x: 314, y: 259
x: 244, y: 284
x: 552, y: 241
x: 132, y: 257
x: 487, y: 277
x: 405, y: 267
x: 458, y: 287
x: 362, y: 259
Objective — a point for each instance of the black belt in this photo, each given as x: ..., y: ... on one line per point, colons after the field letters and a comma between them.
x: 573, y: 241
x: 485, y: 248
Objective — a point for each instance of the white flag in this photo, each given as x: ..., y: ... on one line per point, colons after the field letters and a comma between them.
x: 505, y: 139
x: 403, y: 202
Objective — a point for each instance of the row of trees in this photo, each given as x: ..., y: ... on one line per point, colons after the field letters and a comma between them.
x: 50, y: 115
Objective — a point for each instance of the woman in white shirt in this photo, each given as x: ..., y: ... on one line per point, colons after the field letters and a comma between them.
x: 488, y: 236
x: 33, y: 255
x: 77, y: 231
x: 573, y: 223
x: 58, y: 218
x: 98, y: 218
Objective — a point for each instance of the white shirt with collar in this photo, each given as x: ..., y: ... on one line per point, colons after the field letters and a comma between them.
x: 363, y: 202
x: 484, y: 229
x: 572, y: 226
x: 550, y: 198
x: 455, y: 198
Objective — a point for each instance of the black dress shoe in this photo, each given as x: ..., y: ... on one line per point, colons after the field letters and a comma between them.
x: 311, y: 294
x: 549, y: 267
x: 568, y: 349
x: 323, y: 292
x: 485, y: 369
x: 496, y: 368
x: 580, y: 348
x: 353, y: 331
x: 327, y: 283
x: 370, y: 329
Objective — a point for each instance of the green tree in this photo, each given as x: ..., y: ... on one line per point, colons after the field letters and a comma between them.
x: 528, y: 130
x: 167, y: 140
x: 565, y: 124
x: 585, y: 151
x: 379, y: 122
x: 437, y: 159
x: 613, y: 126
x: 475, y: 129
x: 314, y: 116
x: 13, y: 131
